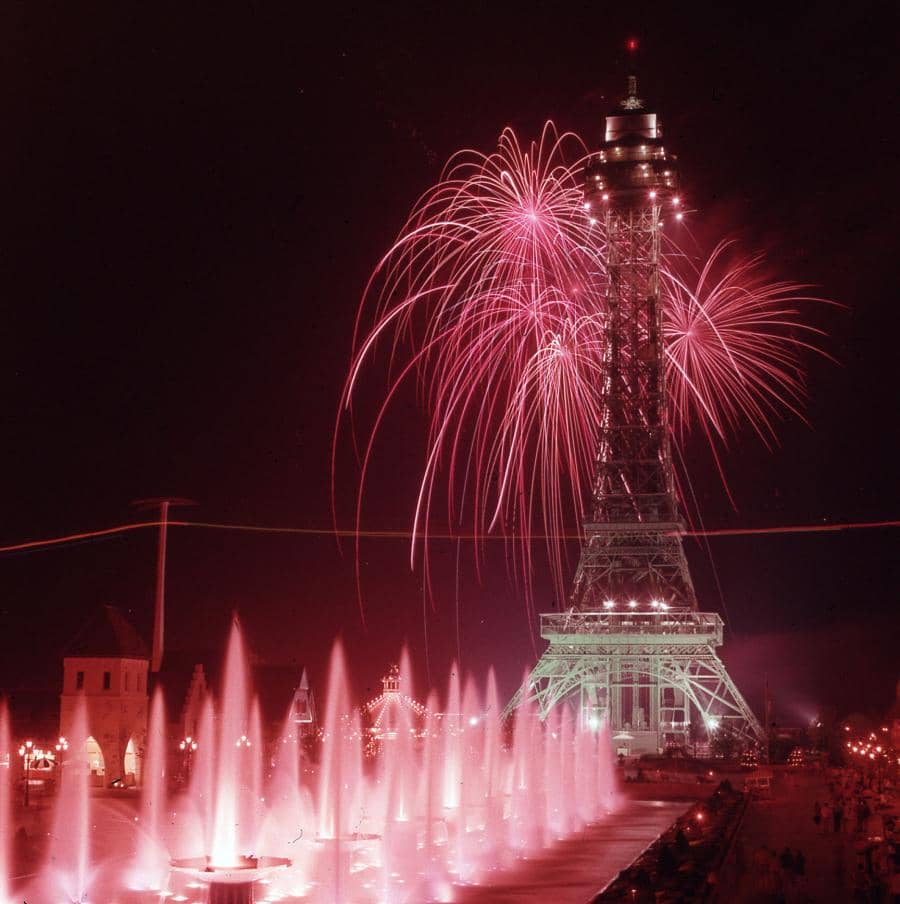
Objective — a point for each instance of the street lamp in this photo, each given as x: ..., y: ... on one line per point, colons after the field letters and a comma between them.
x: 188, y: 746
x: 26, y: 751
x: 62, y: 745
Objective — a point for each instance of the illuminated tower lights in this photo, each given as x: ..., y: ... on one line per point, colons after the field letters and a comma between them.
x: 633, y: 647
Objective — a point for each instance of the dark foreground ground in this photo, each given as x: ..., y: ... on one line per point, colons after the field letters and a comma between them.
x: 831, y: 859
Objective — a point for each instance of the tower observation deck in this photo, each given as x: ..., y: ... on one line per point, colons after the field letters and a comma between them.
x: 633, y: 647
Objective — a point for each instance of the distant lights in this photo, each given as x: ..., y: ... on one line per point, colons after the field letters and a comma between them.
x: 473, y: 721
x: 592, y: 221
x: 609, y: 604
x: 676, y: 201
x: 632, y: 604
x: 652, y: 194
x: 587, y: 205
x: 679, y: 215
x: 605, y: 196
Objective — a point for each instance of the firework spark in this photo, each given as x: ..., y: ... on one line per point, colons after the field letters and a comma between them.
x: 493, y: 299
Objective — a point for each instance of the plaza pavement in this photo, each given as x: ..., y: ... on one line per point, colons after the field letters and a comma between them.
x: 787, y: 821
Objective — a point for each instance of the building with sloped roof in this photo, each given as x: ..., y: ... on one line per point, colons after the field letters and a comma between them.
x: 106, y: 664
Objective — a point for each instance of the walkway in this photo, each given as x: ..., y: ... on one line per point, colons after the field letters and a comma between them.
x: 786, y: 821
x: 574, y: 870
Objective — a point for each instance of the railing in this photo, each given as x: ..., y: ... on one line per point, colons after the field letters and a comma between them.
x: 671, y: 622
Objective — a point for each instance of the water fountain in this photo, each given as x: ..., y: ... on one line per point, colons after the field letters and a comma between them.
x: 230, y: 873
x: 68, y: 863
x: 151, y: 859
x: 5, y: 809
x: 445, y: 802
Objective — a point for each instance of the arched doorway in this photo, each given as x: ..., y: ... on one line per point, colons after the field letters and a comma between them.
x: 96, y: 763
x: 131, y: 764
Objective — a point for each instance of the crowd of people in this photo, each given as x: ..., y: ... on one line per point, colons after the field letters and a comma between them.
x: 781, y: 875
x: 860, y: 806
x: 847, y: 853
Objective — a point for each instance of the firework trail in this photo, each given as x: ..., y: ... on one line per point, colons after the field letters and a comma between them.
x: 492, y: 299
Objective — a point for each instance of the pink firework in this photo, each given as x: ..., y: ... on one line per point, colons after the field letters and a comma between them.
x: 733, y: 343
x: 493, y: 299
x: 490, y: 291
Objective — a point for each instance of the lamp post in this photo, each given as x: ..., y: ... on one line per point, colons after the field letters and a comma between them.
x: 62, y: 745
x: 26, y: 751
x: 188, y: 746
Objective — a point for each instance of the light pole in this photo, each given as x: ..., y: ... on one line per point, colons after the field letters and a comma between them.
x: 26, y: 751
x: 188, y: 746
x: 159, y: 607
x: 62, y: 745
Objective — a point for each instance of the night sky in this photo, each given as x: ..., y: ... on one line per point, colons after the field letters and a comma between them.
x: 195, y: 201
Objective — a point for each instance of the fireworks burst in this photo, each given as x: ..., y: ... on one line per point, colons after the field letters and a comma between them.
x: 492, y: 298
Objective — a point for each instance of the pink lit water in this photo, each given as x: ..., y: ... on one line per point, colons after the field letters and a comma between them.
x: 5, y: 815
x: 432, y: 813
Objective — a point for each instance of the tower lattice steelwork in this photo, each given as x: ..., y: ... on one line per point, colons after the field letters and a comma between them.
x: 633, y: 646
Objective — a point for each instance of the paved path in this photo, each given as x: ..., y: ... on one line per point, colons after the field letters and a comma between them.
x: 574, y: 870
x: 786, y: 820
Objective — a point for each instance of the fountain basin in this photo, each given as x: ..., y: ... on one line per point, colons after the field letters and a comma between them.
x: 230, y: 884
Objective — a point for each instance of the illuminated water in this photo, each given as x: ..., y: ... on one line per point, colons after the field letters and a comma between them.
x: 445, y: 802
x: 5, y: 816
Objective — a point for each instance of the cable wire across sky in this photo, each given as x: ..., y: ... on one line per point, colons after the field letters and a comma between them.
x: 385, y: 534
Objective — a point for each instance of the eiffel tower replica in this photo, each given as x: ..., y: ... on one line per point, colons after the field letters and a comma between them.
x: 633, y: 648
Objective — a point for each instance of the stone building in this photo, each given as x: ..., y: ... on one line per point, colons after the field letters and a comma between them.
x: 106, y: 665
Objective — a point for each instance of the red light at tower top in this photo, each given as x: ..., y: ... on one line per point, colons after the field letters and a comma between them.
x: 631, y: 45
